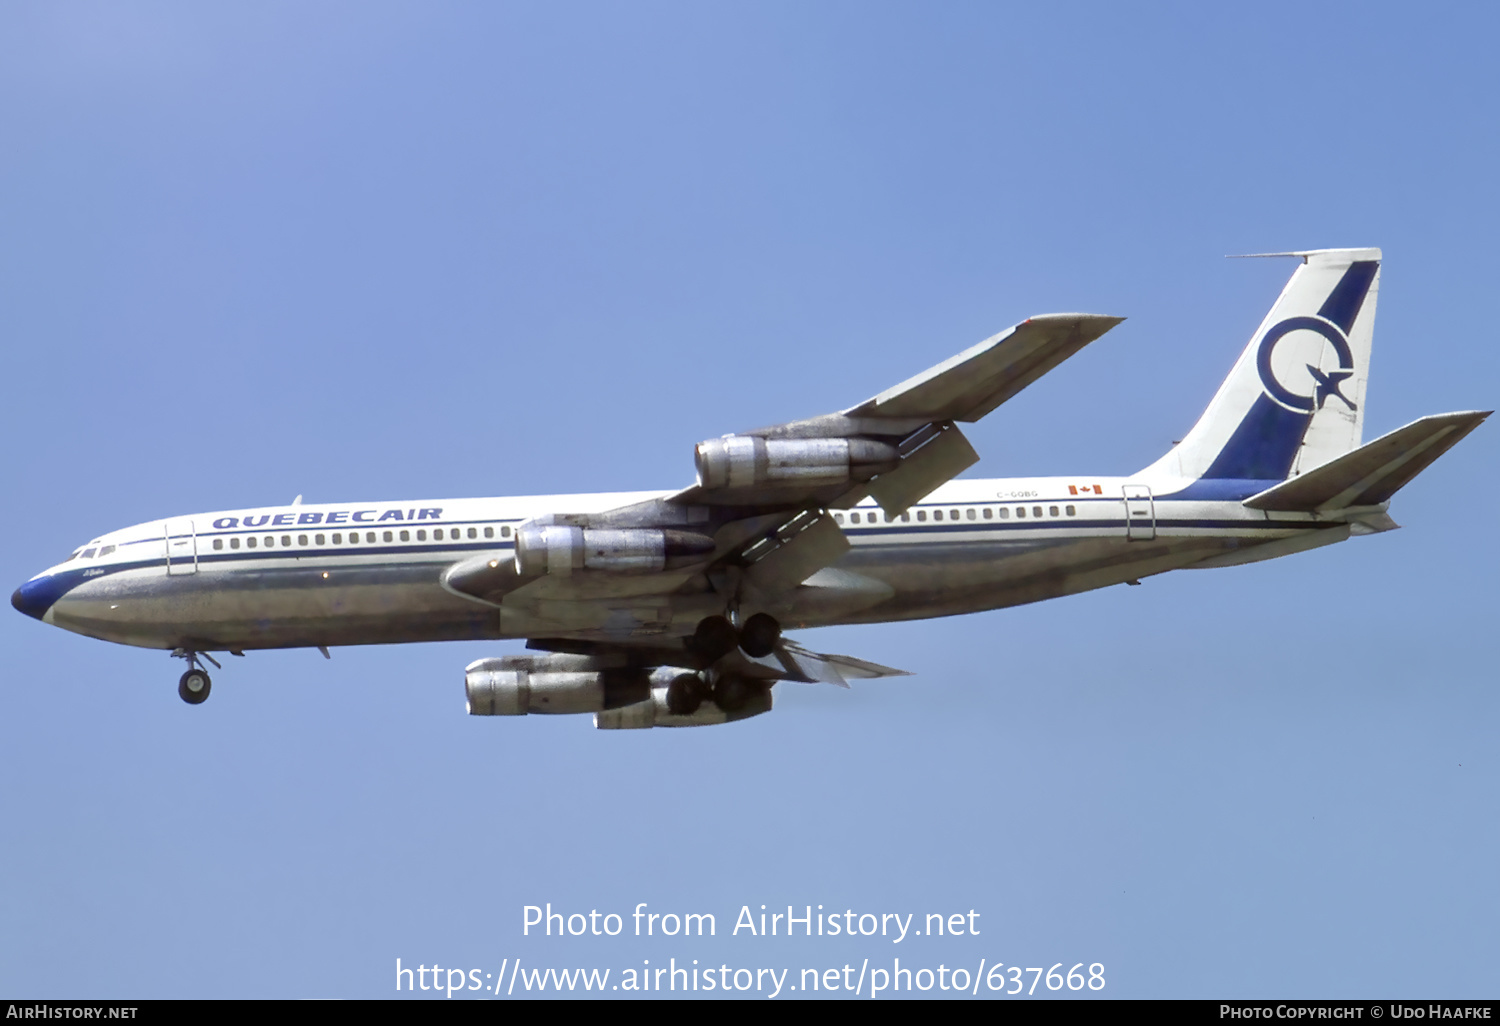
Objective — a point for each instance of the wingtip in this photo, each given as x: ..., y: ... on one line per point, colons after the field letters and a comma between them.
x: 1099, y: 322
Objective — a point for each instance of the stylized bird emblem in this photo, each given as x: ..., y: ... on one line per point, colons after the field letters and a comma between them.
x: 1329, y: 384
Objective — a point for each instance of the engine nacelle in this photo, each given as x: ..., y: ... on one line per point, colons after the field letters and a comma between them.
x: 518, y: 685
x: 743, y: 461
x: 561, y: 550
x: 752, y: 701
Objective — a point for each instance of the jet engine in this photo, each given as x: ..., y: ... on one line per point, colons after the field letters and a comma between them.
x: 743, y: 461
x: 517, y: 685
x: 561, y: 550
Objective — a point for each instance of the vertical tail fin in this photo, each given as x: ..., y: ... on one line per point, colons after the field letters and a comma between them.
x: 1295, y: 399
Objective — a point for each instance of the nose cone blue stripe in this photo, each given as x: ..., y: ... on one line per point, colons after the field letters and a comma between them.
x: 34, y: 598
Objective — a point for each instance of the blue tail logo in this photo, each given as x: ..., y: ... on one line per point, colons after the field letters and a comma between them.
x: 1325, y: 384
x: 1264, y: 444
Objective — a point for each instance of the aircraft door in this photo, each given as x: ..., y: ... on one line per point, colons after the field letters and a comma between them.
x: 182, y: 548
x: 1140, y: 513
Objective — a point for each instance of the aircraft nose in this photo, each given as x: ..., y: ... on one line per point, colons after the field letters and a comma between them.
x: 34, y: 597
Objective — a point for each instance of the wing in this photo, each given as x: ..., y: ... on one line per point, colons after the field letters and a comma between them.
x: 755, y: 525
x: 836, y: 460
x: 973, y: 383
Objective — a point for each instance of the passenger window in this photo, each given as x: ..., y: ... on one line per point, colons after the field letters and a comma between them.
x: 972, y: 514
x: 270, y: 542
x: 989, y: 514
x: 249, y: 543
x: 1020, y: 512
x: 937, y: 514
x: 388, y: 536
x: 234, y: 543
x: 218, y: 543
x: 1052, y: 511
x: 473, y: 533
x: 301, y: 539
x: 921, y: 514
x: 1036, y: 511
x: 953, y: 514
x: 1072, y: 511
x: 421, y: 535
x: 505, y: 532
x: 286, y: 541
x: 838, y: 518
x: 1004, y: 512
x: 319, y: 539
x: 406, y: 536
x: 489, y: 532
x: 853, y: 518
x: 906, y: 518
x: 437, y: 534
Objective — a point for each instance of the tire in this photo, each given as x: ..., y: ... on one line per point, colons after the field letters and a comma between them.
x: 759, y: 636
x: 194, y: 686
x: 731, y: 693
x: 684, y: 695
x: 714, y: 638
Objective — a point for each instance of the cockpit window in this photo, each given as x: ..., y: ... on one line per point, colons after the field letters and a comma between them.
x: 106, y: 551
x: 89, y: 553
x: 73, y: 556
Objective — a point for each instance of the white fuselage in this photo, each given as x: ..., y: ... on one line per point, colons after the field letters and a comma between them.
x: 371, y: 573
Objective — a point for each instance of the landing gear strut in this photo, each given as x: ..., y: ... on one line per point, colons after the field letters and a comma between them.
x: 194, y: 685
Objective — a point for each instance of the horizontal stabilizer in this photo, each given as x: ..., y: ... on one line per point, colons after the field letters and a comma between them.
x: 980, y: 378
x: 1372, y: 473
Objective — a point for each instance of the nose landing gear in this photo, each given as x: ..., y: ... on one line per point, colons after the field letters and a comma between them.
x: 194, y: 685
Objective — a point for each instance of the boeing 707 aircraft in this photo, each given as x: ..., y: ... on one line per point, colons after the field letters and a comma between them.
x: 668, y: 608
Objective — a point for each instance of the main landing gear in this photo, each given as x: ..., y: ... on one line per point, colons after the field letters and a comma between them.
x: 687, y: 693
x: 715, y: 637
x: 194, y: 685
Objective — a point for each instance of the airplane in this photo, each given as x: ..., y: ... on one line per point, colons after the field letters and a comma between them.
x: 667, y: 609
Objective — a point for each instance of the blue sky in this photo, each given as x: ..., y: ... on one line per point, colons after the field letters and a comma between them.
x: 367, y: 251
